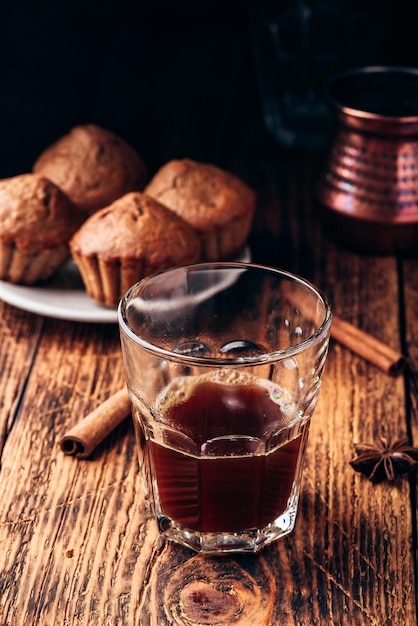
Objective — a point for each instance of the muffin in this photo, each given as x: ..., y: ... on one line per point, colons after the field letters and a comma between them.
x: 37, y: 221
x: 133, y: 237
x: 218, y: 205
x: 92, y: 166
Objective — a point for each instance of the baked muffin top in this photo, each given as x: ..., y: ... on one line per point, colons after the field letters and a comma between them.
x: 137, y: 226
x: 203, y: 194
x: 35, y: 213
x: 93, y: 166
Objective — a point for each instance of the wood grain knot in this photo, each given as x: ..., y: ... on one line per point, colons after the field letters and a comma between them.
x: 220, y: 592
x: 202, y: 602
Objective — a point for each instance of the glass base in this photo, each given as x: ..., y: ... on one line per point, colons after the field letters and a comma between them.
x: 252, y: 540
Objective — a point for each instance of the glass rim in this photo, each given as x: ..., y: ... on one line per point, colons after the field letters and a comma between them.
x: 261, y: 359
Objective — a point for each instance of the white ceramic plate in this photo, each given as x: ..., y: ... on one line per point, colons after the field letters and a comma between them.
x: 64, y: 297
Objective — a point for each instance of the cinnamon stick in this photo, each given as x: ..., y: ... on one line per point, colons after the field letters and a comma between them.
x: 85, y: 436
x: 368, y: 347
x: 371, y: 349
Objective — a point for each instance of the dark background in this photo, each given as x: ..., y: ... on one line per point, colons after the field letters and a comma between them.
x: 174, y: 79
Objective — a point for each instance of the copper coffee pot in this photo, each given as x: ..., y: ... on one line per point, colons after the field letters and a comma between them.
x: 369, y: 185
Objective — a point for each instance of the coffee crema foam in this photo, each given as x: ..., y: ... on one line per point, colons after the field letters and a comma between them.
x: 181, y: 388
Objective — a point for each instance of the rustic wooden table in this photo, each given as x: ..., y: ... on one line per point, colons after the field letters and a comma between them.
x: 76, y: 547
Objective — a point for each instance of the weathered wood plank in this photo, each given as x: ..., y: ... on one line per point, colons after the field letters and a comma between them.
x: 410, y: 282
x: 19, y: 337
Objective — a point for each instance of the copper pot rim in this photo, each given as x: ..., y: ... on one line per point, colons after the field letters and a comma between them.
x: 358, y: 114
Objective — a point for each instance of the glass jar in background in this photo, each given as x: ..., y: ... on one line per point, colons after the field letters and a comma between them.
x: 297, y: 45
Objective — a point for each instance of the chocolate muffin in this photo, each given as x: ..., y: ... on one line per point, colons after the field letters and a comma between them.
x: 37, y: 221
x: 133, y: 237
x: 218, y: 205
x: 93, y: 166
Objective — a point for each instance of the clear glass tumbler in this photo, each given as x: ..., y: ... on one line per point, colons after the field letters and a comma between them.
x: 223, y: 365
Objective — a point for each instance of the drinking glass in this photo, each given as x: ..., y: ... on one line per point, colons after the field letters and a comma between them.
x: 223, y: 364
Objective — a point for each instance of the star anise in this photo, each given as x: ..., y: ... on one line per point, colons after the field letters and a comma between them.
x: 381, y: 461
